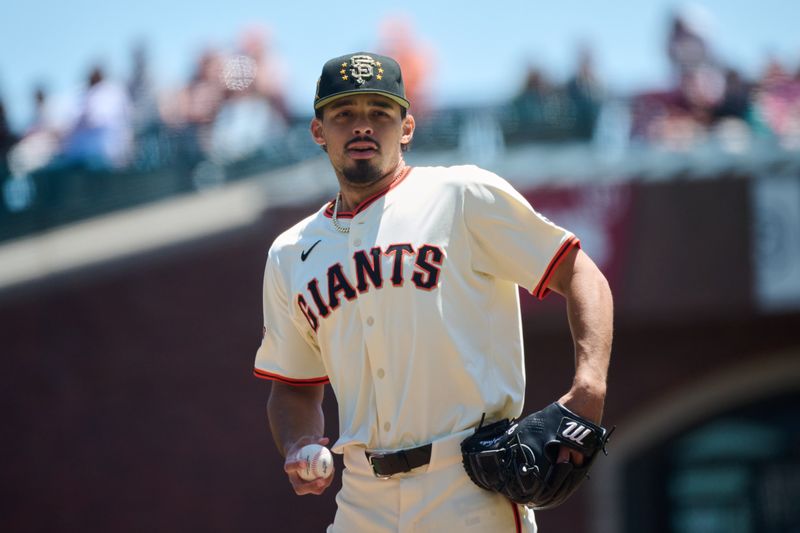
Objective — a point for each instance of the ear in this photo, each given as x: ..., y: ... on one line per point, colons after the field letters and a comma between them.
x: 408, y: 129
x: 316, y: 131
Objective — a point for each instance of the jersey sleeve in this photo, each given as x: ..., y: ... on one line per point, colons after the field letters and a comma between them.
x: 509, y: 239
x: 287, y: 354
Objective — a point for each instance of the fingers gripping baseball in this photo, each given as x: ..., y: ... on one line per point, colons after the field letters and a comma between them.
x: 297, y: 466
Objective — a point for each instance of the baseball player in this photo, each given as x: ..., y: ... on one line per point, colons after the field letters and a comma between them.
x: 401, y: 292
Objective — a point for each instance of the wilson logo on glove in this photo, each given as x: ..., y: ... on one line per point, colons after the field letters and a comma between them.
x: 576, y: 432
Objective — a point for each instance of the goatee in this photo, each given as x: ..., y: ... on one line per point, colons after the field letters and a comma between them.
x: 363, y: 172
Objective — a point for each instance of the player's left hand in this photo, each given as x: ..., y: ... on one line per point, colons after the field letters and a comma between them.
x: 587, y: 405
x: 568, y: 455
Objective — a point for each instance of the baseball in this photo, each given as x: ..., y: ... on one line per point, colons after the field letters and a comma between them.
x: 319, y: 462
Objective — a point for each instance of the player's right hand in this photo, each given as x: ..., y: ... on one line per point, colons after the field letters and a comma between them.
x: 293, y: 464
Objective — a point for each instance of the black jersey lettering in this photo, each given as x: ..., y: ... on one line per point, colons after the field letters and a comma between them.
x: 429, y: 261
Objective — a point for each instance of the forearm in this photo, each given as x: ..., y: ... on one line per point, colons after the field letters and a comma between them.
x: 295, y: 412
x: 590, y: 311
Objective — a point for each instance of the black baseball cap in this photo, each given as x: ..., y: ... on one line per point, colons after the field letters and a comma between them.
x: 362, y: 72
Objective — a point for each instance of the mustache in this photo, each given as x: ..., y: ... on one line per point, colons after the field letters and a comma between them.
x: 362, y: 139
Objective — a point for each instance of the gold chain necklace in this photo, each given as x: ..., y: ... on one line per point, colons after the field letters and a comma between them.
x: 335, y: 220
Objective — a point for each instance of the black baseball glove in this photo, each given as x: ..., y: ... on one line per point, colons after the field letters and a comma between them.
x: 518, y: 458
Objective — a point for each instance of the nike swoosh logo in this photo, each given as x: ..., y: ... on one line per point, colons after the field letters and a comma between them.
x: 304, y: 253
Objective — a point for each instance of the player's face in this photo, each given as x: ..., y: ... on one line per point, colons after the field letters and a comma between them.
x: 362, y: 135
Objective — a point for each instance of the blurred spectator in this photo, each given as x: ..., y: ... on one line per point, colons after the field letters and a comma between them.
x: 398, y: 40
x: 685, y: 114
x: 701, y: 91
x: 43, y: 119
x: 7, y: 138
x: 735, y: 100
x: 142, y: 93
x: 732, y: 115
x: 528, y: 105
x: 701, y: 83
x: 541, y: 111
x: 545, y: 111
x: 586, y: 94
x: 151, y: 148
x: 667, y: 119
x: 102, y: 136
x: 687, y: 43
x: 191, y: 113
x: 40, y: 142
x: 269, y: 71
x: 254, y: 112
x: 202, y: 98
x: 776, y: 105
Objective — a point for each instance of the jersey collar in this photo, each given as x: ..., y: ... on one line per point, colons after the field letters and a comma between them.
x: 369, y: 201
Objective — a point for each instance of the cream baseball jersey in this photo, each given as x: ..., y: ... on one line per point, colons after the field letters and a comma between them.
x: 413, y: 316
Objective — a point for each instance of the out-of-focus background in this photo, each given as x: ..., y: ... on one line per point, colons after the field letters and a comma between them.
x: 150, y: 153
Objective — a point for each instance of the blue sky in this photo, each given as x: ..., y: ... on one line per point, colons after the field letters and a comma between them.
x: 482, y: 48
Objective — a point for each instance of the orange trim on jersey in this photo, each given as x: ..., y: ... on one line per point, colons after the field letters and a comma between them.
x: 541, y: 289
x: 366, y: 203
x: 263, y: 374
x: 517, y: 519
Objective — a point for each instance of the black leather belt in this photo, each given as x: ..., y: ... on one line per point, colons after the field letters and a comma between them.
x: 386, y: 464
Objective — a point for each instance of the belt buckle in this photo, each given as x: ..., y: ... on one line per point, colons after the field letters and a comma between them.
x: 372, y: 464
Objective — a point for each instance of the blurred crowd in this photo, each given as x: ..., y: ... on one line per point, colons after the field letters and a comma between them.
x: 230, y: 107
x: 713, y: 101
x: 233, y: 105
x: 707, y: 100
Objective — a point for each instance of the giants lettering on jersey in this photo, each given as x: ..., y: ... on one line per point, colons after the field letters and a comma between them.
x: 372, y: 267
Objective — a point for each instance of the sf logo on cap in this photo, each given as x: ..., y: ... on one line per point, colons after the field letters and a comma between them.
x: 362, y: 68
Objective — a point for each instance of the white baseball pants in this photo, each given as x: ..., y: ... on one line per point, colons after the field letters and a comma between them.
x: 437, y: 497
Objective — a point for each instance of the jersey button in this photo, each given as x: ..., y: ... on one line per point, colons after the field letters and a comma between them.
x: 381, y: 373
x: 357, y: 242
x: 387, y: 426
x: 370, y: 320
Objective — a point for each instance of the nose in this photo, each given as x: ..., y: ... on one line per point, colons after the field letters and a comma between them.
x: 362, y: 127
